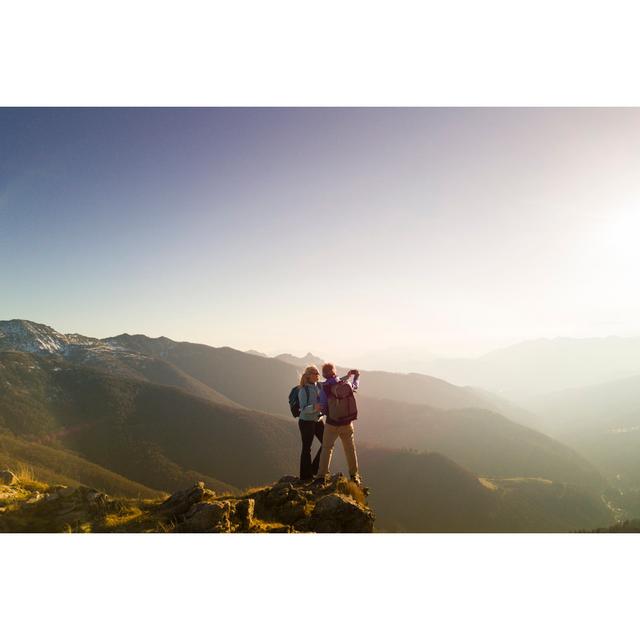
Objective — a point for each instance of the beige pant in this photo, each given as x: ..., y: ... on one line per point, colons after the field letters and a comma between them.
x: 331, y: 434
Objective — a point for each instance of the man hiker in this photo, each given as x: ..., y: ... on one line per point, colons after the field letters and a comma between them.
x: 337, y: 403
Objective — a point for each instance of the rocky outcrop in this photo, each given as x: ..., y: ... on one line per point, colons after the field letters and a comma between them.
x: 337, y: 506
x: 44, y: 508
x: 288, y: 506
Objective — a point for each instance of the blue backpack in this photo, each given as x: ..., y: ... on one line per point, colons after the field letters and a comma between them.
x: 294, y: 402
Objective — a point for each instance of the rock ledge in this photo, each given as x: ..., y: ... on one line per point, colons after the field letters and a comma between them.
x: 288, y: 506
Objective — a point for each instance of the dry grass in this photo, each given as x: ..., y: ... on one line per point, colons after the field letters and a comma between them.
x: 27, y: 478
x: 116, y: 520
x: 24, y: 472
x: 165, y: 527
x: 351, y: 489
x: 135, y: 516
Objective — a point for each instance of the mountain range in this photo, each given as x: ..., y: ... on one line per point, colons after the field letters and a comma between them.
x: 537, y: 367
x: 161, y: 414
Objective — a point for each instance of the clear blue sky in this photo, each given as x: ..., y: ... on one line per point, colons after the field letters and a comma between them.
x: 341, y: 231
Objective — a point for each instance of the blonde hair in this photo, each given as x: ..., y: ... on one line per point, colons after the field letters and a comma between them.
x: 304, y: 378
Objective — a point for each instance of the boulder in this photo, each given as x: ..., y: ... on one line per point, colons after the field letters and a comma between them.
x: 8, y: 477
x: 336, y: 513
x: 244, y: 513
x: 181, y: 501
x: 92, y: 496
x: 281, y: 494
x: 207, y: 517
x: 292, y: 511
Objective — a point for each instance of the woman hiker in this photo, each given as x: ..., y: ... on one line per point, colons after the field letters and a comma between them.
x: 309, y: 422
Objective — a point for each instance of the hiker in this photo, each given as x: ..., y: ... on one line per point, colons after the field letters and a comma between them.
x: 338, y: 405
x: 309, y: 422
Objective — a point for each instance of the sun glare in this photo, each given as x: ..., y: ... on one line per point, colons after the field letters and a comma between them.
x: 621, y: 236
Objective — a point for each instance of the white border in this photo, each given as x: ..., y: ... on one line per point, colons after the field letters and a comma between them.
x: 329, y: 53
x: 338, y: 52
x: 318, y: 586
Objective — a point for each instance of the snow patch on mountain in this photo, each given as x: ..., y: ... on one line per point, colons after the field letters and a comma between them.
x: 23, y: 335
x: 31, y: 337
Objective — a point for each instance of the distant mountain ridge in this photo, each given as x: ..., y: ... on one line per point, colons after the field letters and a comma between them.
x: 116, y: 356
x: 24, y: 335
x: 228, y: 375
x: 303, y: 362
x: 542, y: 366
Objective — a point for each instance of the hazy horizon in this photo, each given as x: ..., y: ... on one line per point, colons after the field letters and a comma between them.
x: 393, y: 359
x: 344, y: 232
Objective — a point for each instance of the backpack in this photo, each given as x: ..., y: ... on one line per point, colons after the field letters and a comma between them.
x: 294, y: 402
x: 342, y: 408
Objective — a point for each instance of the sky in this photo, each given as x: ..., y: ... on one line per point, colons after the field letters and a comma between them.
x: 344, y: 232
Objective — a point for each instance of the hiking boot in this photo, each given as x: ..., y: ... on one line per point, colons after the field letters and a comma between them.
x: 356, y: 479
x: 319, y: 480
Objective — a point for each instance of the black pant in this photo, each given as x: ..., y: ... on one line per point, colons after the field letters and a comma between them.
x: 308, y: 429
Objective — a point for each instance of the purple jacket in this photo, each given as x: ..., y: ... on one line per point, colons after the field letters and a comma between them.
x: 322, y: 397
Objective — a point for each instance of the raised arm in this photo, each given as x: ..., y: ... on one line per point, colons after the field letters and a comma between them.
x: 355, y: 383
